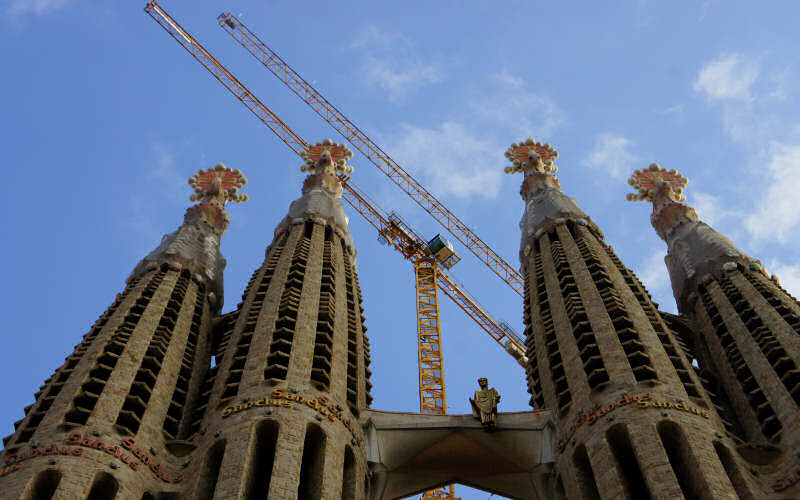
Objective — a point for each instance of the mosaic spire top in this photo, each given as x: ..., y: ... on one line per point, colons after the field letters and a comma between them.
x: 220, y: 182
x: 327, y: 156
x: 531, y: 156
x: 655, y: 182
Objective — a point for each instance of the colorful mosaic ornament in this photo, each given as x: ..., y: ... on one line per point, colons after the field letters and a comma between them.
x: 654, y: 179
x: 339, y: 154
x: 519, y: 155
x: 221, y: 182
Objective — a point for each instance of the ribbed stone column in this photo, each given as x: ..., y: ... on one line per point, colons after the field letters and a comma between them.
x: 604, y: 360
x: 746, y: 324
x: 107, y: 421
x: 292, y: 377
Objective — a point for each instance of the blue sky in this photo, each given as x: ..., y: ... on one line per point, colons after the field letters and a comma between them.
x: 105, y: 117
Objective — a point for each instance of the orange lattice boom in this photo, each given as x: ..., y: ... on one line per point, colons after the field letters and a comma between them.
x: 336, y: 119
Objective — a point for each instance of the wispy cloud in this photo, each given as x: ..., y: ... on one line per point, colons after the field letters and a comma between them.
x: 775, y: 216
x: 707, y: 206
x: 450, y: 159
x: 514, y: 106
x: 729, y: 77
x: 162, y: 185
x: 653, y: 272
x: 612, y: 153
x: 789, y: 275
x: 455, y: 158
x: 391, y: 63
x: 166, y: 174
x: 507, y: 78
x: 36, y: 7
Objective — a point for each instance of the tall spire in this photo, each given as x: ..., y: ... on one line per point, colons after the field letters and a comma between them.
x: 326, y: 164
x: 695, y: 250
x: 545, y: 203
x: 195, y: 244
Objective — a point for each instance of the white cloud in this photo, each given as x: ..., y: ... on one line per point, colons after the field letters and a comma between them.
x: 776, y: 213
x: 729, y: 77
x: 507, y: 78
x: 162, y: 185
x: 519, y: 109
x: 450, y: 159
x: 652, y: 271
x: 788, y: 275
x: 390, y: 63
x: 398, y: 80
x: 612, y: 154
x: 676, y: 109
x: 37, y: 7
x: 707, y: 206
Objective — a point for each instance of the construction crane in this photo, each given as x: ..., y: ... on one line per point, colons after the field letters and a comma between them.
x: 428, y: 257
x: 273, y: 62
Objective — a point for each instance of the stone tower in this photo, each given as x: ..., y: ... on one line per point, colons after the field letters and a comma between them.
x: 279, y: 412
x: 744, y: 326
x: 104, y: 423
x: 632, y: 415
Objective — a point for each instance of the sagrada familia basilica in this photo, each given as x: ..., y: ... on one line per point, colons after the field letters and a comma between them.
x: 628, y: 401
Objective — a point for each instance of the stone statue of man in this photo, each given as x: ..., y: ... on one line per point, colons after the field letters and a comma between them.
x: 484, y: 406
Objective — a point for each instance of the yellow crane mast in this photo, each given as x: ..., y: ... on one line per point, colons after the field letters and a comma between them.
x: 428, y: 258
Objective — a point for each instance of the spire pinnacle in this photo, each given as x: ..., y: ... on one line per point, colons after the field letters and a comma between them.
x: 656, y: 182
x: 326, y: 156
x: 220, y: 182
x: 531, y: 156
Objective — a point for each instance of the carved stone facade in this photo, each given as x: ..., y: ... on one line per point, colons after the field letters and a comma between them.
x: 165, y: 398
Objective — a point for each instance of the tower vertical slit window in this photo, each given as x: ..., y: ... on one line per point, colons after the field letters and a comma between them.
x: 43, y: 485
x: 534, y: 376
x: 576, y: 312
x: 251, y: 318
x: 584, y: 475
x: 643, y: 297
x: 627, y: 463
x: 767, y: 419
x: 365, y: 349
x: 561, y: 387
x: 280, y: 348
x: 85, y: 401
x: 264, y: 439
x: 210, y: 474
x: 104, y: 487
x: 629, y: 338
x: 783, y: 365
x: 683, y: 463
x: 53, y: 385
x: 326, y: 313
x: 776, y: 300
x: 312, y: 465
x: 352, y: 332
x: 349, y: 474
x: 135, y: 405
x: 174, y: 417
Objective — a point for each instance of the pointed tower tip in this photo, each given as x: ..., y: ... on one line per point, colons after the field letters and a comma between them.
x: 327, y: 156
x: 655, y: 181
x: 531, y: 155
x: 220, y: 182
